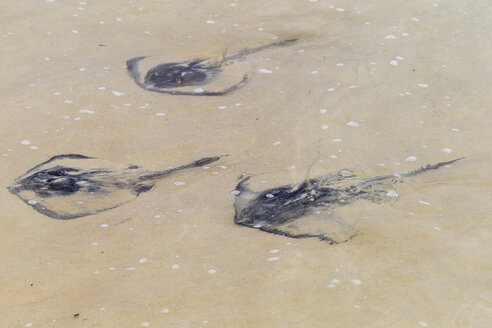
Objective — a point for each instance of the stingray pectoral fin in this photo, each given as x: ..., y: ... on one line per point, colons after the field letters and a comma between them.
x: 193, y: 91
x: 133, y: 69
x: 78, y: 204
x: 132, y: 64
x: 324, y: 226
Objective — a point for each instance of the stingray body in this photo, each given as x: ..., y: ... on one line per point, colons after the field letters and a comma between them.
x: 71, y: 186
x: 187, y: 77
x: 307, y: 209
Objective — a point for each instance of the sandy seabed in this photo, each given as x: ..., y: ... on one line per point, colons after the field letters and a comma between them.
x: 376, y: 87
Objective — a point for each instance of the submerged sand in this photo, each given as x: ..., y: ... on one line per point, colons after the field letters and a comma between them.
x: 377, y: 87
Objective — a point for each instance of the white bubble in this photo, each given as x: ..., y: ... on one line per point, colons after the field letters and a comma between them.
x: 265, y: 71
x: 179, y: 183
x: 352, y: 123
x: 390, y: 36
x: 211, y: 271
x: 32, y: 202
x: 356, y: 282
x: 422, y: 85
x: 392, y: 194
x: 25, y: 142
x: 175, y: 266
x: 446, y: 150
x: 142, y: 260
x: 410, y: 159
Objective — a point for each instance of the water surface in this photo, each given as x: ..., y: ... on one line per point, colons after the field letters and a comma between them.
x: 376, y: 87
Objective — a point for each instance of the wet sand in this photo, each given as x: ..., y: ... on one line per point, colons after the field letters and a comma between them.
x: 376, y: 88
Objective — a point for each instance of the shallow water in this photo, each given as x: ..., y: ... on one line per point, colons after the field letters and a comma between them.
x: 377, y: 88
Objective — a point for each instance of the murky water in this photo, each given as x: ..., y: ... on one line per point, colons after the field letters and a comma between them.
x: 376, y: 87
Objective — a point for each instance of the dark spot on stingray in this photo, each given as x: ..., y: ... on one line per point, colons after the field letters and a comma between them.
x: 182, y: 78
x: 72, y: 186
x: 306, y: 210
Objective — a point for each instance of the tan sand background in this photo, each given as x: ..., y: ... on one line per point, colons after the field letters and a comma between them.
x: 423, y: 260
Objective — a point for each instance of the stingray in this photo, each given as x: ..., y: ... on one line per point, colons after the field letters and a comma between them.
x: 306, y: 210
x: 72, y: 186
x: 218, y: 77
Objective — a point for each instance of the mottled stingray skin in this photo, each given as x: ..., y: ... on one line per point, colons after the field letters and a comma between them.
x: 72, y: 186
x: 171, y: 77
x: 305, y: 210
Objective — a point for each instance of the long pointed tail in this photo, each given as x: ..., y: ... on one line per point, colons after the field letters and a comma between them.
x: 249, y: 51
x: 200, y: 162
x: 429, y: 167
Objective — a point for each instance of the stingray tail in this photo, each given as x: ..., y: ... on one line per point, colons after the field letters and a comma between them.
x: 198, y: 163
x: 429, y: 167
